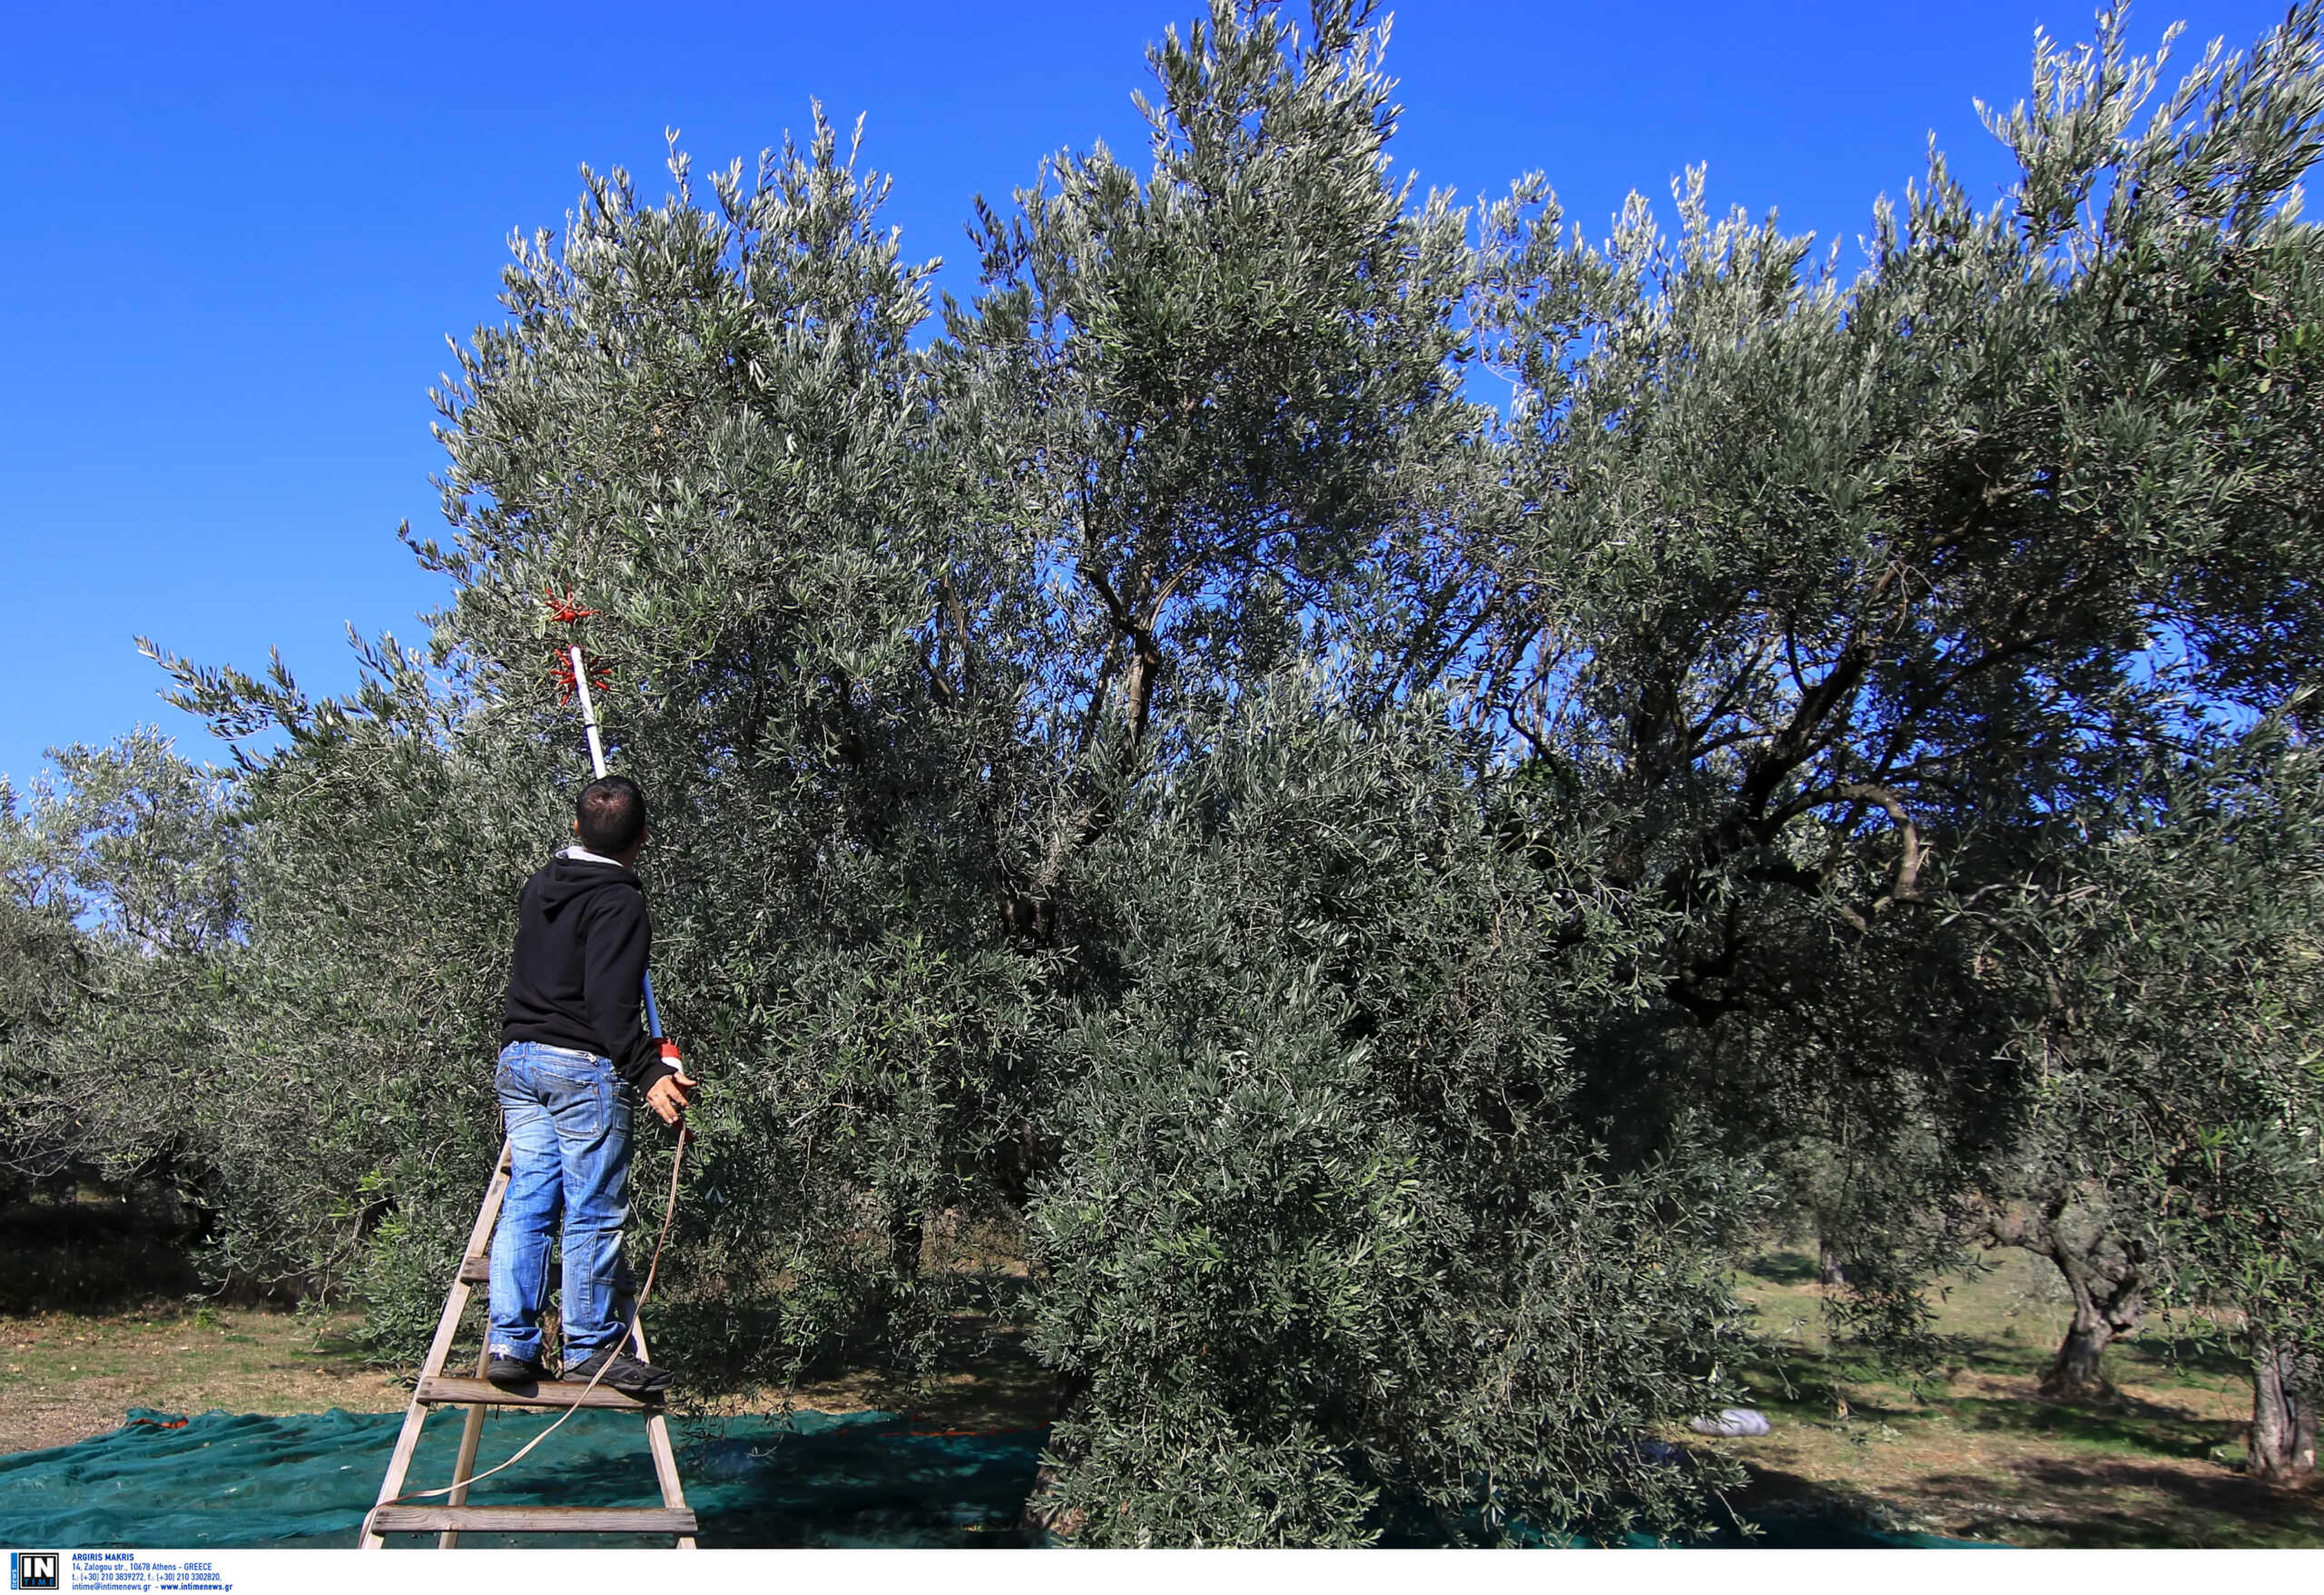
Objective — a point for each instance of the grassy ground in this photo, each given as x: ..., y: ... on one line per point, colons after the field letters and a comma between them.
x: 97, y: 1316
x: 1966, y: 1452
x: 66, y: 1376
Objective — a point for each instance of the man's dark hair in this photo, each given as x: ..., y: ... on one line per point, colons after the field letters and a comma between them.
x: 612, y: 812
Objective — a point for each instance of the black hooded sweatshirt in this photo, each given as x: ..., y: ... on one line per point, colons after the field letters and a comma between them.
x: 579, y: 973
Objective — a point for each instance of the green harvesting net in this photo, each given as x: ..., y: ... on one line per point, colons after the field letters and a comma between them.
x: 859, y: 1479
x: 216, y: 1480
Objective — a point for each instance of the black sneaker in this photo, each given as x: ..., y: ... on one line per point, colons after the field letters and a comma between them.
x: 626, y: 1374
x: 513, y: 1372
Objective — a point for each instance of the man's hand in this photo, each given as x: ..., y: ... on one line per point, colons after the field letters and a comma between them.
x: 667, y: 1095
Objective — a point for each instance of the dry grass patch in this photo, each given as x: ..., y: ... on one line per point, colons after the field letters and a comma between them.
x: 65, y: 1376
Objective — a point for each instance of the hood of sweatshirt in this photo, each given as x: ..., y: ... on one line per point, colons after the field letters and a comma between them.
x: 570, y: 880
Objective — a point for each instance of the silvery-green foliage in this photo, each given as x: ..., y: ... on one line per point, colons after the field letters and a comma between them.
x: 2170, y: 965
x: 706, y: 422
x: 1202, y: 399
x: 1815, y: 567
x: 45, y: 951
x: 1329, y: 1251
x: 122, y: 913
x: 1823, y: 591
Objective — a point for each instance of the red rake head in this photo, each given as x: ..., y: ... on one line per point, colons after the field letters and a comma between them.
x: 598, y: 676
x: 566, y: 611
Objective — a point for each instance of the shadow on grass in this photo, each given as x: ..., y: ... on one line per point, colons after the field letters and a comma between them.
x: 2174, y: 1357
x: 1793, y: 1510
x: 2051, y: 1502
x: 65, y: 1256
x: 1810, y: 1383
x: 1812, y: 1380
x: 1782, y: 1267
x: 2118, y: 1423
x: 2105, y: 1502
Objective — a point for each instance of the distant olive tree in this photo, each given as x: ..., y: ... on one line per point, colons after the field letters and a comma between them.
x: 2175, y: 985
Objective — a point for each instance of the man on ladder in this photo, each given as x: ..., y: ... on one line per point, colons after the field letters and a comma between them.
x: 574, y: 1048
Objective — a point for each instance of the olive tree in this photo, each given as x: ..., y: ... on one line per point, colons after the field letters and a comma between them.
x: 2175, y: 993
x: 1332, y: 1250
x: 121, y: 914
x: 1822, y: 592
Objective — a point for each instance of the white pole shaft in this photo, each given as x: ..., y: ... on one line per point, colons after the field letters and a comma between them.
x: 588, y: 712
x: 597, y: 762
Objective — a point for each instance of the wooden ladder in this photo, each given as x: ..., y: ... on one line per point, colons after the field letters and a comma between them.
x: 448, y: 1518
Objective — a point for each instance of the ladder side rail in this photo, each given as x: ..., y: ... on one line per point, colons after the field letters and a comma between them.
x: 456, y: 1304
x: 472, y: 1425
x: 463, y: 1465
x: 657, y: 1439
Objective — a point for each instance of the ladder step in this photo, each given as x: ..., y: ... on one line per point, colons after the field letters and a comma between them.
x: 535, y: 1519
x: 476, y: 1270
x: 446, y: 1391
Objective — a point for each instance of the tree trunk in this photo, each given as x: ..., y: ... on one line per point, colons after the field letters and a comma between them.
x: 2107, y: 1304
x: 2283, y: 1413
x: 2073, y: 1372
x: 907, y: 1238
x: 1831, y: 1262
x: 2105, y: 1274
x: 892, y: 1286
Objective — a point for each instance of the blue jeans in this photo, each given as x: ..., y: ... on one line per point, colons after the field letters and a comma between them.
x: 568, y: 1117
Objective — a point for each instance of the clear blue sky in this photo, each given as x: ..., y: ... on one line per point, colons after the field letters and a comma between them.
x: 235, y: 237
